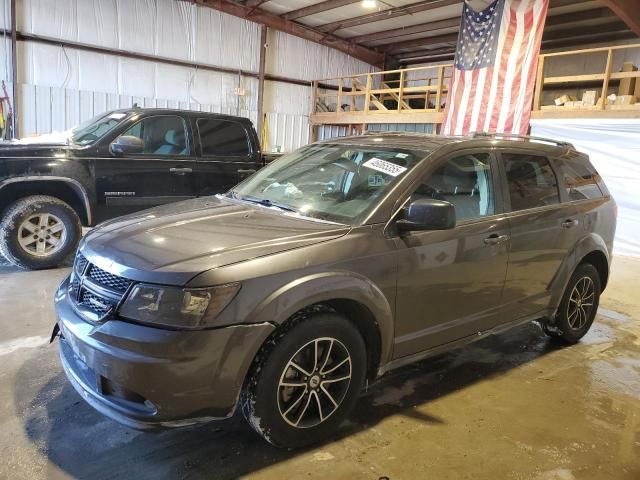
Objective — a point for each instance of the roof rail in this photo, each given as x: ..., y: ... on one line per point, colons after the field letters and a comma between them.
x: 523, y: 138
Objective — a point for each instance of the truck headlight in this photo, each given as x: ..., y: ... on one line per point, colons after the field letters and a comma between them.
x: 177, y: 307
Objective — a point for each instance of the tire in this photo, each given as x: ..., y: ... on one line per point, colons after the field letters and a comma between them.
x: 29, y: 215
x: 273, y: 409
x: 578, y: 306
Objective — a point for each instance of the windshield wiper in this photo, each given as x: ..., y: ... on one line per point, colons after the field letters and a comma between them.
x: 265, y: 202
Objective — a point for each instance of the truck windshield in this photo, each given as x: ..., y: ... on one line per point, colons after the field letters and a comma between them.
x: 88, y: 132
x: 333, y: 182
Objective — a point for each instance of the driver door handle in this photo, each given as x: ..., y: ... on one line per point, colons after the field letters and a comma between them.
x: 249, y: 171
x: 569, y: 223
x: 495, y: 239
x: 180, y: 171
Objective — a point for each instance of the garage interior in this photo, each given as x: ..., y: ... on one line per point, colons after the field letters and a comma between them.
x: 515, y: 405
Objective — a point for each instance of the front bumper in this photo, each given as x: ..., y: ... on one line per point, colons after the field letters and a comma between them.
x: 146, y: 377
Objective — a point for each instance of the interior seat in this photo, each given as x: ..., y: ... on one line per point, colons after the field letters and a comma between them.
x: 173, y: 144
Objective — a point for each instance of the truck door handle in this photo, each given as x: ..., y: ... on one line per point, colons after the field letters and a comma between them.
x: 569, y: 223
x: 249, y: 171
x: 495, y: 239
x: 180, y: 171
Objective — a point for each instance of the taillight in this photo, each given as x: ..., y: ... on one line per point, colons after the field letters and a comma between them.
x: 615, y: 210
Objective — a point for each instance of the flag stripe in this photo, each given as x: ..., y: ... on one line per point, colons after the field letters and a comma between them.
x: 494, y: 75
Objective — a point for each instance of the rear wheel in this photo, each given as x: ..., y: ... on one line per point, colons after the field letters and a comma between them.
x: 39, y: 232
x: 578, y: 306
x: 300, y: 389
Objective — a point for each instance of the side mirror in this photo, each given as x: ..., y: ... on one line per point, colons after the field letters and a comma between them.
x: 428, y: 214
x: 126, y: 144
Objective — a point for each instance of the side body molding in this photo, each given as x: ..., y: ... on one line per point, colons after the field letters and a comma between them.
x: 77, y: 187
x: 318, y: 287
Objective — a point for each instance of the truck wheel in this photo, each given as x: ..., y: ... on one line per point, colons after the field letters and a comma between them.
x: 579, y: 305
x: 307, y: 380
x: 39, y: 232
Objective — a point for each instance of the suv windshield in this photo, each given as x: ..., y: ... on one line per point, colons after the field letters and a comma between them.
x: 88, y: 132
x: 333, y: 182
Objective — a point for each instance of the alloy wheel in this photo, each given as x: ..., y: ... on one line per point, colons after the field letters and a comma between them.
x: 314, y: 382
x: 42, y: 234
x: 580, y: 303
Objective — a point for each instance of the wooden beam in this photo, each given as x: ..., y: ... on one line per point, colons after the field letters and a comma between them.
x: 317, y: 8
x: 580, y: 32
x: 386, y: 14
x: 400, y: 32
x: 255, y: 3
x: 628, y: 11
x: 578, y: 17
x: 421, y: 42
x: 424, y: 55
x: 278, y: 23
x: 597, y: 37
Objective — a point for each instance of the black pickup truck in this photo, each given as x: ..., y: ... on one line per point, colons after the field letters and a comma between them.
x: 114, y: 164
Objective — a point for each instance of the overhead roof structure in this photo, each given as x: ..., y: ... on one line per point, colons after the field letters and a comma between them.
x: 405, y: 32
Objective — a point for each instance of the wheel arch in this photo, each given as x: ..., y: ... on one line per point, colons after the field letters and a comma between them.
x: 68, y: 190
x: 349, y: 294
x: 592, y: 249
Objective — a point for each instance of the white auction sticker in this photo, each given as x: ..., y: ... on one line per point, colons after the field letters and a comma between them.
x: 384, y: 166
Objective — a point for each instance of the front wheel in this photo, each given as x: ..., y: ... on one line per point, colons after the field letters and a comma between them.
x: 579, y: 305
x: 39, y: 232
x: 301, y: 389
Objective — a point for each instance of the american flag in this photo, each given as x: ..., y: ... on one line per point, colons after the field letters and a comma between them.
x: 495, y: 68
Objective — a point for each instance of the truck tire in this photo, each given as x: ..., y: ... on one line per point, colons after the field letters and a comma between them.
x: 306, y: 381
x: 39, y: 232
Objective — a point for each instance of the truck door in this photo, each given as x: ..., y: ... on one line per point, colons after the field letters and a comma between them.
x: 163, y: 172
x: 227, y: 154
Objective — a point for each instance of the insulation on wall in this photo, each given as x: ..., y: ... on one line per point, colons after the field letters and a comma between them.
x: 168, y: 29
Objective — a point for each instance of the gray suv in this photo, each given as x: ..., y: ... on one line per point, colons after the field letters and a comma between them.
x: 326, y: 269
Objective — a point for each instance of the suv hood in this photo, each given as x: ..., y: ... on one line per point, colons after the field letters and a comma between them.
x: 173, y: 243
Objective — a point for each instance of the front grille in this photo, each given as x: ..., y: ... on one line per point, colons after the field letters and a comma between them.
x: 108, y: 280
x: 94, y: 302
x: 94, y: 291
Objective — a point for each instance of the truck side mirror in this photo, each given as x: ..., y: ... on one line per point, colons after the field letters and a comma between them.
x: 126, y: 144
x: 428, y: 214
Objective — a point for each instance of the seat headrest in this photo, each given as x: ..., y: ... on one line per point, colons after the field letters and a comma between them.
x: 172, y: 138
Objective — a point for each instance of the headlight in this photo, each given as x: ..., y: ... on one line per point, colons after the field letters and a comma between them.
x: 177, y: 307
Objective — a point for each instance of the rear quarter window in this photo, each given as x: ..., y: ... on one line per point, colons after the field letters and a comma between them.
x: 579, y: 179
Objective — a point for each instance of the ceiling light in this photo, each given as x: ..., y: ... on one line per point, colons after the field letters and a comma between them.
x: 369, y: 4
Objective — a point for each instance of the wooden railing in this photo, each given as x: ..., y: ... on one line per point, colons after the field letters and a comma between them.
x: 603, y: 83
x: 412, y: 95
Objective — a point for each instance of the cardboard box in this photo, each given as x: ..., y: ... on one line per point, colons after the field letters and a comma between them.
x: 574, y: 104
x: 590, y: 98
x: 626, y: 100
x: 564, y: 99
x: 627, y: 85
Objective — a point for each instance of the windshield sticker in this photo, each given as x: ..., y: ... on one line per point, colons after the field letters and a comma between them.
x: 118, y: 116
x: 384, y: 167
x: 402, y: 155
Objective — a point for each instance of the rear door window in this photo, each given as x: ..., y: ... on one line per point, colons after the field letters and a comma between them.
x: 531, y: 181
x: 579, y: 181
x: 222, y: 137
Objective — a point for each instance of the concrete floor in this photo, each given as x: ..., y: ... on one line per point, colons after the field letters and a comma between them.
x: 514, y: 406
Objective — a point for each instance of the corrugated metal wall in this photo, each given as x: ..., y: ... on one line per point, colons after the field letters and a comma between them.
x: 62, y: 86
